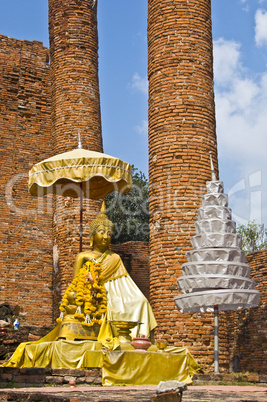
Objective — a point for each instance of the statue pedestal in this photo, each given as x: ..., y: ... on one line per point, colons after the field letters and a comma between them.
x: 119, y: 367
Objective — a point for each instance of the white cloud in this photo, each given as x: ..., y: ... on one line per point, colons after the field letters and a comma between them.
x: 246, y: 8
x: 261, y: 27
x: 140, y: 84
x: 142, y: 128
x: 226, y: 60
x: 241, y: 102
x: 241, y: 119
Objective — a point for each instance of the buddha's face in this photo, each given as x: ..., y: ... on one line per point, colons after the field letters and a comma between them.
x: 102, y: 238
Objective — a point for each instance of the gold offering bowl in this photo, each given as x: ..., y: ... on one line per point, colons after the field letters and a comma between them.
x: 124, y: 328
x: 161, y: 346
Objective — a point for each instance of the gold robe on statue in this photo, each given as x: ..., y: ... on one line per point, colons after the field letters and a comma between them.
x: 125, y: 301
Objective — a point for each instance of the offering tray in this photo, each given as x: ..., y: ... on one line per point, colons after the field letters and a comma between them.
x: 161, y: 345
x: 124, y: 328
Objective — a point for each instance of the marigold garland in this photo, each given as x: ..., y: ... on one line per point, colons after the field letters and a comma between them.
x: 91, y: 299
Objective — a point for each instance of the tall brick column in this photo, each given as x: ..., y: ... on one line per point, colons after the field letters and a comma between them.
x: 181, y: 134
x: 75, y: 107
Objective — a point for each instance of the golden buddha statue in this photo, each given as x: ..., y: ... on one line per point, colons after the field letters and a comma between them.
x: 124, y: 300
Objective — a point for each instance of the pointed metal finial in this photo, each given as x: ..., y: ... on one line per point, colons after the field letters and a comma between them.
x: 103, y: 208
x: 213, y: 175
x: 79, y: 141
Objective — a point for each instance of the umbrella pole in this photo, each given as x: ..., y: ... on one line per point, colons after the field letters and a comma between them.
x: 216, y: 340
x: 81, y: 218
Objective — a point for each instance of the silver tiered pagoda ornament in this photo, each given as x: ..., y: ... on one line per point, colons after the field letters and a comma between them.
x: 215, y: 277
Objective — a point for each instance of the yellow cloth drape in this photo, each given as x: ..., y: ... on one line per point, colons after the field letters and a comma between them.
x: 112, y: 267
x: 148, y: 368
x: 118, y: 367
x: 125, y: 301
x: 17, y: 359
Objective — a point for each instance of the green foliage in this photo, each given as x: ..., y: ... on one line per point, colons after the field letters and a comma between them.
x: 129, y: 212
x: 253, y: 236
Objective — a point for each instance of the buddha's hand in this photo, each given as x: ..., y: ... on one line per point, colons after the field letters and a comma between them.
x: 72, y: 297
x: 71, y: 309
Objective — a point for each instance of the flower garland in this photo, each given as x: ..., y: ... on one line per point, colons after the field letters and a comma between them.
x: 91, y: 299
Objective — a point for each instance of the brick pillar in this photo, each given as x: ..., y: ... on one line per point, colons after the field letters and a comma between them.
x: 181, y: 134
x: 75, y: 107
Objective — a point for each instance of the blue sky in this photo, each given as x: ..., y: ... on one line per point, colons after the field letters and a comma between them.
x: 240, y: 70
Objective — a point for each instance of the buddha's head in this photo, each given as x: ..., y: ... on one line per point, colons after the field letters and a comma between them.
x: 101, y: 231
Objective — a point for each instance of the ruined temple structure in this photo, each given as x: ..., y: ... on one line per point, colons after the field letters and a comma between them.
x: 45, y: 100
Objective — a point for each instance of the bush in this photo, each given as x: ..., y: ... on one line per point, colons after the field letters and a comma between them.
x: 253, y: 236
x: 129, y: 212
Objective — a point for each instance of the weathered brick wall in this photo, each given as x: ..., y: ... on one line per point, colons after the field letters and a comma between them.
x: 247, y: 328
x: 181, y: 134
x: 135, y: 256
x: 75, y: 107
x: 25, y: 221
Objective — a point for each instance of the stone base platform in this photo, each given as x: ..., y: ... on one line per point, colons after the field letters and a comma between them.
x: 133, y: 394
x: 230, y: 378
x: 53, y: 385
x: 39, y: 377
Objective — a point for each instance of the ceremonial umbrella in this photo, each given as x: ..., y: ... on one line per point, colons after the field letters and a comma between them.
x: 80, y: 173
x: 216, y: 276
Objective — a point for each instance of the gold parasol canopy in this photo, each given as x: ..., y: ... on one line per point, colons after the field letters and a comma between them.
x: 96, y: 173
x: 80, y: 173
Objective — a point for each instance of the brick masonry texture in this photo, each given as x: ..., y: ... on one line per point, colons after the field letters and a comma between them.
x: 75, y: 107
x: 181, y: 134
x: 74, y: 74
x: 37, y: 377
x: 26, y: 224
x: 247, y: 328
